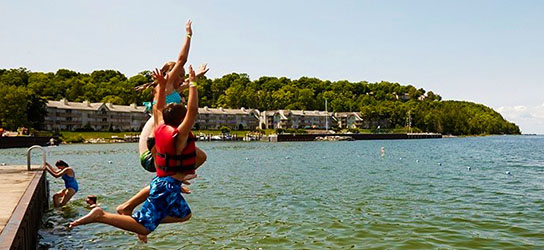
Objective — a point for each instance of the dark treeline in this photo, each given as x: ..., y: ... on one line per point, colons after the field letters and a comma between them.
x: 23, y: 95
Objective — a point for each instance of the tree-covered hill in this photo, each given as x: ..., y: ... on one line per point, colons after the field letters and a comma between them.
x: 385, y: 104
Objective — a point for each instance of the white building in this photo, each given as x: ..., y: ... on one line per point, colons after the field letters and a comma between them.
x: 348, y: 119
x: 237, y: 119
x: 296, y: 119
x: 64, y: 115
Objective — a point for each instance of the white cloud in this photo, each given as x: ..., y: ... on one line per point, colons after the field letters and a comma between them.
x: 529, y: 119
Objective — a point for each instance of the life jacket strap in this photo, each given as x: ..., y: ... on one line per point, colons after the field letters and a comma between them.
x: 177, y: 157
x: 178, y: 168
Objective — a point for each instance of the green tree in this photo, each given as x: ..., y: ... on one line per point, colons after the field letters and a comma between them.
x: 13, y: 106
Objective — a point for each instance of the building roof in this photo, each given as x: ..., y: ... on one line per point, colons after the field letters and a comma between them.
x: 311, y: 113
x: 223, y: 111
x: 64, y: 104
x: 125, y: 108
x: 348, y: 114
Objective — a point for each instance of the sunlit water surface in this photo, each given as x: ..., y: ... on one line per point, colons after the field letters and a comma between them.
x: 314, y: 195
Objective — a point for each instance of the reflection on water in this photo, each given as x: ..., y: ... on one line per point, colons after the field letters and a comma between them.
x: 421, y: 194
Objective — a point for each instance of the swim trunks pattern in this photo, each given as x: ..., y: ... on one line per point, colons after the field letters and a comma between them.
x: 164, y: 200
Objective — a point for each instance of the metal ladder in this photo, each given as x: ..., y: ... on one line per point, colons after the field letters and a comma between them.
x: 28, y: 156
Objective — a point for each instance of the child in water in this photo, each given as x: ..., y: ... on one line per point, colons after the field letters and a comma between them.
x: 91, y: 201
x: 67, y: 174
x: 175, y: 163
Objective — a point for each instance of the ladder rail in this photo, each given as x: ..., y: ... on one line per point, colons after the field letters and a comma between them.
x: 28, y: 154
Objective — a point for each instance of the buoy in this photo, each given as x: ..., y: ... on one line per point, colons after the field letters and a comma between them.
x: 247, y: 158
x: 417, y: 161
x: 508, y: 173
x: 110, y: 162
x: 400, y: 158
x: 287, y: 157
x: 440, y: 164
x: 468, y: 168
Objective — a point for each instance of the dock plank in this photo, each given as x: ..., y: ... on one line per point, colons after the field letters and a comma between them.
x: 14, y: 181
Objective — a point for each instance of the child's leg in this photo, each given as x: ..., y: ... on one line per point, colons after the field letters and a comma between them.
x: 120, y: 221
x: 58, y: 196
x: 170, y: 219
x: 67, y: 196
x: 127, y: 207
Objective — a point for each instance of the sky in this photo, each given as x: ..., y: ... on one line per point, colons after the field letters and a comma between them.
x: 489, y: 52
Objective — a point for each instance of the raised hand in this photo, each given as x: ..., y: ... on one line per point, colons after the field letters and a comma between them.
x: 202, y: 70
x: 157, y: 76
x: 188, y: 27
x: 183, y: 85
x: 192, y: 76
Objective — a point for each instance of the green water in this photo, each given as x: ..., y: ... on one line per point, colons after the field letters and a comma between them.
x: 317, y: 195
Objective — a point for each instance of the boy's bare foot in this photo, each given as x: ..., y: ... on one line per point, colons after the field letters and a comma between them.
x: 89, y: 218
x: 124, y: 209
x: 185, y: 190
x: 142, y: 238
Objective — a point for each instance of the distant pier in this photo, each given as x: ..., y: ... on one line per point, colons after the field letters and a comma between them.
x: 24, y: 199
x: 312, y: 137
x: 27, y: 141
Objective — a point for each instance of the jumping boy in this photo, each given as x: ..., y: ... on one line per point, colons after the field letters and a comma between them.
x: 175, y: 161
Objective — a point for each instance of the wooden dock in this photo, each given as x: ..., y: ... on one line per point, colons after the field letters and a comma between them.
x: 24, y: 198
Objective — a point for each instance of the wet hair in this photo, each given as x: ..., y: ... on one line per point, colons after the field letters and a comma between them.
x: 61, y: 163
x: 92, y: 198
x: 167, y: 67
x: 173, y: 114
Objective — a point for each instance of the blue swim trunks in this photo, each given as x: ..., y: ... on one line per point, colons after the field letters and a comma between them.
x: 164, y: 200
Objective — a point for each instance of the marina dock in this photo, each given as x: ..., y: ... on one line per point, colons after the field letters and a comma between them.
x: 356, y: 137
x: 24, y: 198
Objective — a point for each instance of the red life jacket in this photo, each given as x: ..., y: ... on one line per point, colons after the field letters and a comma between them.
x: 167, y: 162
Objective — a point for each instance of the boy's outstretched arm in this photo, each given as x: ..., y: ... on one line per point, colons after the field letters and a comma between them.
x: 160, y: 96
x: 183, y: 54
x: 192, y: 106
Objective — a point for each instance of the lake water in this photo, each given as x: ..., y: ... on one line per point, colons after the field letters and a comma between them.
x: 315, y: 195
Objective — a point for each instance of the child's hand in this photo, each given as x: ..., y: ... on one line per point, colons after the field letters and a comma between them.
x: 191, y: 74
x: 159, y: 77
x: 184, y: 85
x: 202, y: 70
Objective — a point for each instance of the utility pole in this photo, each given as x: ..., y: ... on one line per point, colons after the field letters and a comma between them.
x: 326, y: 117
x: 409, y: 122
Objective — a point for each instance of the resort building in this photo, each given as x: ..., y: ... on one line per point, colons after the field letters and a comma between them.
x: 64, y: 115
x: 236, y: 119
x: 348, y: 119
x: 267, y: 119
x: 296, y: 119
